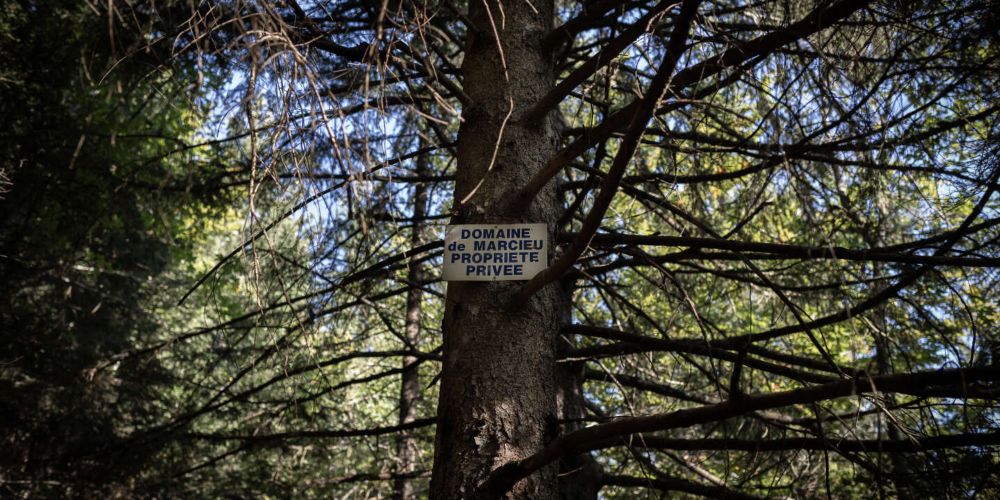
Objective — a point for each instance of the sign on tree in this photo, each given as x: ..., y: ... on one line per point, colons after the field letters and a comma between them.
x: 495, y: 252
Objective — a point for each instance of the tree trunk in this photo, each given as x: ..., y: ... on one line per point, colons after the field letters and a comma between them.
x: 409, y: 391
x: 876, y: 238
x: 498, y: 384
x: 579, y: 475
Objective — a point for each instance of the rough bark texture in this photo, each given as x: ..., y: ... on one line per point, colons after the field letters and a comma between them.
x: 498, y: 384
x: 409, y: 392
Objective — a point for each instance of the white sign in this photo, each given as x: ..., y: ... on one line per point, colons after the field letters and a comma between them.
x: 495, y: 252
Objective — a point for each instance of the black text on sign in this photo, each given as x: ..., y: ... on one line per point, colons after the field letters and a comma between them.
x: 495, y: 252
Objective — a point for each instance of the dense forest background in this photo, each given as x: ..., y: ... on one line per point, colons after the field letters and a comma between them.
x: 220, y: 227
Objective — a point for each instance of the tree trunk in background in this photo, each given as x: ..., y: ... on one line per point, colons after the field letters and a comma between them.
x: 498, y: 383
x: 579, y: 475
x: 409, y: 391
x: 883, y: 359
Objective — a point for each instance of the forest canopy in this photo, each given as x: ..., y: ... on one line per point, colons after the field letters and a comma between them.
x: 773, y: 235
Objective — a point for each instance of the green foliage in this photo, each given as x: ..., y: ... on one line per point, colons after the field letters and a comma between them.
x: 86, y: 147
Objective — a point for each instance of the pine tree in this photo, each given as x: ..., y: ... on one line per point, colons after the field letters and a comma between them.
x: 772, y: 270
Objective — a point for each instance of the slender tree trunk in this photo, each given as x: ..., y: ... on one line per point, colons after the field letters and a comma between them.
x: 579, y: 475
x: 498, y: 384
x: 883, y: 366
x: 883, y: 346
x: 409, y: 392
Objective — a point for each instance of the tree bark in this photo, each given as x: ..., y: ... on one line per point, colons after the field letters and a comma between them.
x: 409, y: 391
x: 498, y: 397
